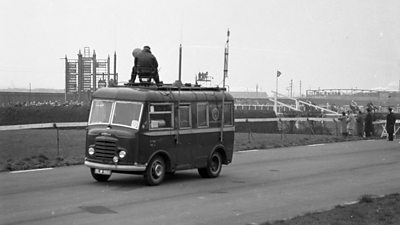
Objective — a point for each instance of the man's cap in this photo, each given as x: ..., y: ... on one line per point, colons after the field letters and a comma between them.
x: 146, y: 47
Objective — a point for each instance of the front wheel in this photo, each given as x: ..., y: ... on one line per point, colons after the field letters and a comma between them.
x: 99, y: 177
x: 155, y: 171
x: 214, y: 166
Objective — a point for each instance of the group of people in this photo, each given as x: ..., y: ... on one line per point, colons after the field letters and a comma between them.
x: 360, y: 125
x: 356, y: 125
x: 145, y: 64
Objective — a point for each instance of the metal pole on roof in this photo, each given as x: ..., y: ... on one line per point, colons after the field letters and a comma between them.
x: 226, y: 54
x: 180, y: 63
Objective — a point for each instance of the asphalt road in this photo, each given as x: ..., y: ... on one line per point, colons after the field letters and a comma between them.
x: 259, y: 186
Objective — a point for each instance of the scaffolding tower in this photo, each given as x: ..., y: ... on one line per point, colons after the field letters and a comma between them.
x: 86, y: 74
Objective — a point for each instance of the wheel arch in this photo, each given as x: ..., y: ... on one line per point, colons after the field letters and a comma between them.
x: 221, y: 150
x: 166, y: 156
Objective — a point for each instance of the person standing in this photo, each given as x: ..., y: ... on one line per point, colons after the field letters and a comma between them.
x: 350, y: 123
x: 368, y: 124
x: 390, y: 122
x: 360, y: 124
x: 343, y: 124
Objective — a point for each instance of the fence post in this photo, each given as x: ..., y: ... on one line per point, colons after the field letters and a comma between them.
x: 58, y: 140
x: 249, y: 133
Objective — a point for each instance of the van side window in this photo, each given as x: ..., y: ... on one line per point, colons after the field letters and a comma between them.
x: 160, y: 115
x: 228, y: 114
x: 185, y: 120
x: 202, y: 114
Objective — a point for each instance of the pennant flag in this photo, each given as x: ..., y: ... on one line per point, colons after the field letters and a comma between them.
x: 278, y: 73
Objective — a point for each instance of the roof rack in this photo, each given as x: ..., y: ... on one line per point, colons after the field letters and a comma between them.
x: 173, y: 87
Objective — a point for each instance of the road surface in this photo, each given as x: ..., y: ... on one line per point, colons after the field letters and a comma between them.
x: 259, y: 186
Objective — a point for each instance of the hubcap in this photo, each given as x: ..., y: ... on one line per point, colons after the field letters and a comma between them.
x: 158, y: 169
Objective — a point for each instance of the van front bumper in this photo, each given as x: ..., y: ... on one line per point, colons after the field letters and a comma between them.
x: 133, y: 168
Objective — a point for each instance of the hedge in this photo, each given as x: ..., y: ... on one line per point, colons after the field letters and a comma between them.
x: 43, y: 114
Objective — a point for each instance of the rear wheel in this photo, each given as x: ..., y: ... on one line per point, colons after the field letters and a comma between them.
x: 155, y: 171
x: 99, y: 177
x: 214, y: 166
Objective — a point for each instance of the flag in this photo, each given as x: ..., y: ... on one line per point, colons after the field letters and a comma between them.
x: 278, y: 73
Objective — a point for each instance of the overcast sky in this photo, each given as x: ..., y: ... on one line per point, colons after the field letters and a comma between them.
x: 323, y: 44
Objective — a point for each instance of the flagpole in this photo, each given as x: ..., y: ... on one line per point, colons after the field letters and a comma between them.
x: 276, y: 96
x: 278, y: 73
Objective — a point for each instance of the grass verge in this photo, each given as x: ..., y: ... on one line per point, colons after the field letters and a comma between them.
x: 369, y: 210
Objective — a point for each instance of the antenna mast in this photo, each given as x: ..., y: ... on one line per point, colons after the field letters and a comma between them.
x: 180, y: 64
x: 223, y: 85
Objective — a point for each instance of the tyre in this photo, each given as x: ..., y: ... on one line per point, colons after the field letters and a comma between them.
x: 155, y: 171
x: 99, y: 177
x: 214, y: 166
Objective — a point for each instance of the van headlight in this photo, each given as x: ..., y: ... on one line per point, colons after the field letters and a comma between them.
x: 91, y: 151
x: 122, y: 154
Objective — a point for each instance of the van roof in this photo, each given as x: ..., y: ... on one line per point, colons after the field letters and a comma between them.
x: 162, y: 94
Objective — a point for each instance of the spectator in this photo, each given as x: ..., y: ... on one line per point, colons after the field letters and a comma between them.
x: 350, y: 123
x: 390, y: 122
x: 343, y: 124
x: 360, y: 124
x: 368, y: 124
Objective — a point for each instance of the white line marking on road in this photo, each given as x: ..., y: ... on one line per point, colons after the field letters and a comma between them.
x: 254, y: 150
x: 314, y: 145
x: 27, y: 171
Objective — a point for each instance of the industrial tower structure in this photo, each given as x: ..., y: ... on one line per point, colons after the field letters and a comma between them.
x: 86, y: 74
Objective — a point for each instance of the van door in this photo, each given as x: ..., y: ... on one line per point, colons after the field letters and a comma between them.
x: 184, y: 137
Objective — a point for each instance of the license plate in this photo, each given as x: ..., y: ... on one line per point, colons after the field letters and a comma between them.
x: 104, y: 172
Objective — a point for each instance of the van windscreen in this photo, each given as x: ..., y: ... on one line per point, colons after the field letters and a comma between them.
x: 100, y: 112
x: 115, y: 112
x: 127, y: 114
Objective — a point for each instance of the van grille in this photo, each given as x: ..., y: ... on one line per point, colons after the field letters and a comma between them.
x: 105, y: 149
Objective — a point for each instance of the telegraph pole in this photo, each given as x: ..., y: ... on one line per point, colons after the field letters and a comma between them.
x: 291, y: 88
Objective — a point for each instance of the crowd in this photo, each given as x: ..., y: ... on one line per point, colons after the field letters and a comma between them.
x: 44, y: 103
x: 362, y: 126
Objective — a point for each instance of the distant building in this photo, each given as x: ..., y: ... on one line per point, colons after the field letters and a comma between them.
x: 250, y: 98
